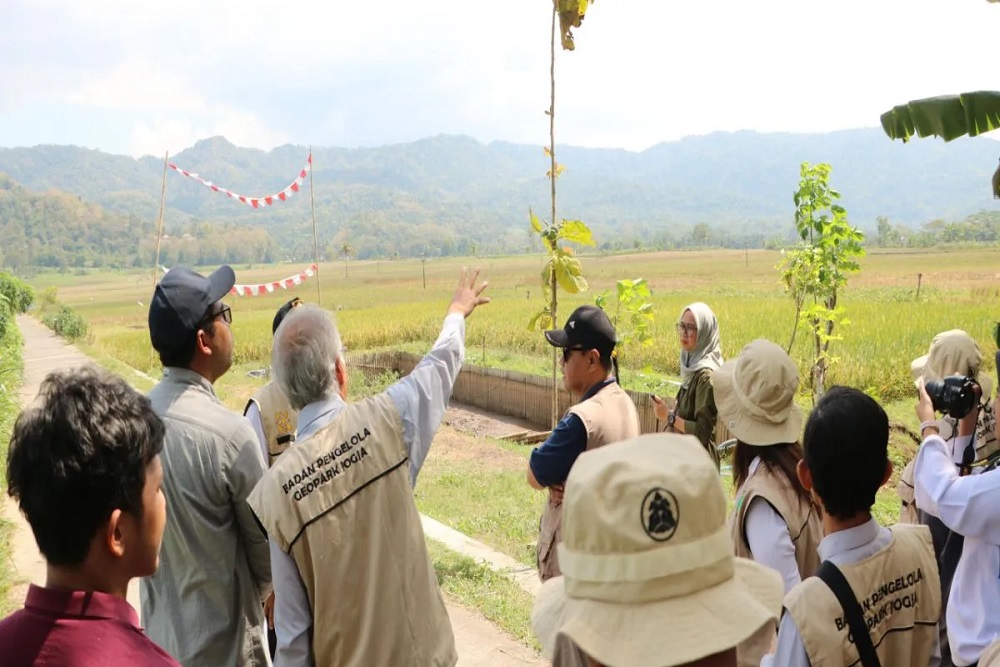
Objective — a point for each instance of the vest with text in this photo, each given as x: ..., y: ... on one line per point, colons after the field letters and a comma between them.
x: 900, y: 597
x: 340, y: 503
x: 608, y: 416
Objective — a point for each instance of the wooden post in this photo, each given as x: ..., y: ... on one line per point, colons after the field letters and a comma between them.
x: 920, y: 278
x: 159, y: 222
x: 312, y: 202
x: 423, y: 270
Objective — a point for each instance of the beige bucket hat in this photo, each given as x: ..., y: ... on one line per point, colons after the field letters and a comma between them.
x: 755, y: 395
x: 952, y: 352
x: 649, y: 576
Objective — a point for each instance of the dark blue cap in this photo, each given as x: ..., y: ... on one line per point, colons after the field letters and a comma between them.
x: 181, y: 302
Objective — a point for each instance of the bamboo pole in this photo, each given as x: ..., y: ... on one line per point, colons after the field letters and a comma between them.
x: 159, y: 222
x: 552, y: 220
x: 312, y: 202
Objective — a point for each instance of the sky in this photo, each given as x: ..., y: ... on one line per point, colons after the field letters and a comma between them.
x: 104, y: 74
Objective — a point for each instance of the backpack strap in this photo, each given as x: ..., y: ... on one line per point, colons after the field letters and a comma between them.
x: 831, y: 575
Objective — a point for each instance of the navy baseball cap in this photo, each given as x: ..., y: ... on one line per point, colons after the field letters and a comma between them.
x: 588, y: 328
x: 181, y: 302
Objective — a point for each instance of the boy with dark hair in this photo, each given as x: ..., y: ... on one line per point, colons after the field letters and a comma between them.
x: 84, y: 466
x: 876, y: 598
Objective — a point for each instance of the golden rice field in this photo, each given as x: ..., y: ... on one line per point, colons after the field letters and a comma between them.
x: 384, y: 304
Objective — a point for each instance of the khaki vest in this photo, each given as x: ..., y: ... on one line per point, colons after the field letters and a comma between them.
x: 804, y: 527
x: 277, y: 417
x: 609, y: 416
x: 340, y: 503
x: 900, y: 597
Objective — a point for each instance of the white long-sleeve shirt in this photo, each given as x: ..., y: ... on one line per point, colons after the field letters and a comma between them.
x: 768, y: 537
x: 970, y: 506
x: 421, y: 399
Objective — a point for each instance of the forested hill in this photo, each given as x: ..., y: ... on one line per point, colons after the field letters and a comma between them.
x: 449, y: 194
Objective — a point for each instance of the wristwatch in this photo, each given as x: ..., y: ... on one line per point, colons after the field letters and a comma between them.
x: 671, y: 418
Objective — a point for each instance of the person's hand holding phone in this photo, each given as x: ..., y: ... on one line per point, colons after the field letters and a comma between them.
x: 659, y: 408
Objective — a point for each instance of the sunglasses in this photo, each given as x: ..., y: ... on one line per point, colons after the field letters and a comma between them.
x: 567, y: 351
x: 683, y: 328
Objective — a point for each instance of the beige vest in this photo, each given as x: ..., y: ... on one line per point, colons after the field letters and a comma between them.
x: 609, y: 416
x: 340, y: 503
x: 900, y: 596
x: 804, y: 527
x: 277, y: 417
x: 990, y: 656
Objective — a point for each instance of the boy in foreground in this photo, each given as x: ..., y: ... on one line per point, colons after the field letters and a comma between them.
x: 84, y: 467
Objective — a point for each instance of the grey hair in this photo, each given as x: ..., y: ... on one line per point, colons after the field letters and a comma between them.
x: 306, y: 349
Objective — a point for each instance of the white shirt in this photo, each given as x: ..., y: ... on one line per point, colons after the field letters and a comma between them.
x: 768, y: 537
x: 842, y: 548
x: 970, y: 506
x: 253, y: 414
x: 421, y: 399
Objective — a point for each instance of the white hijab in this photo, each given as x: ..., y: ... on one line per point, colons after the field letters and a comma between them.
x: 707, y: 352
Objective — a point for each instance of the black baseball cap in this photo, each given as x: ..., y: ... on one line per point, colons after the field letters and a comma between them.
x: 282, y: 312
x: 181, y: 302
x: 588, y: 328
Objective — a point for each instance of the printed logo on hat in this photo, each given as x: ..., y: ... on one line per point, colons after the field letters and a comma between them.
x: 572, y: 324
x: 659, y: 514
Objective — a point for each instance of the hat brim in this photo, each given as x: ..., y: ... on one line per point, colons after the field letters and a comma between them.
x: 668, y: 632
x: 557, y: 337
x: 221, y: 282
x: 743, y: 426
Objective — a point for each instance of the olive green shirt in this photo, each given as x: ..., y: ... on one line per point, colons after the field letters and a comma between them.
x: 696, y: 406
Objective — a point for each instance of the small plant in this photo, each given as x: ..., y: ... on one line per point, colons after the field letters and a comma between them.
x: 67, y: 323
x: 635, y: 324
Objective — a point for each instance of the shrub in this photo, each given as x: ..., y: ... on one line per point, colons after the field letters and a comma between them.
x: 67, y: 323
x: 18, y: 293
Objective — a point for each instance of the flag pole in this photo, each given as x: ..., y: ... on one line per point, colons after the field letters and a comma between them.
x: 312, y: 201
x: 159, y: 222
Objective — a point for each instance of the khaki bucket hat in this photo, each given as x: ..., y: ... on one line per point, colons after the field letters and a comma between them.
x: 952, y: 352
x: 755, y: 395
x: 648, y: 572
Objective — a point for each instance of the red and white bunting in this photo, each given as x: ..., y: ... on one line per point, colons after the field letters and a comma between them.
x: 267, y: 288
x: 255, y: 202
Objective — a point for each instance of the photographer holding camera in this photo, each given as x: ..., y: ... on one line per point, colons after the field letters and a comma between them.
x: 950, y: 487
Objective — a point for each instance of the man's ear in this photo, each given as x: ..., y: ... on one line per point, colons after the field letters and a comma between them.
x: 201, y: 343
x: 804, y: 475
x: 113, y: 536
x: 340, y: 371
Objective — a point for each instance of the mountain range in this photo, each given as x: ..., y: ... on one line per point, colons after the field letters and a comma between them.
x: 450, y: 194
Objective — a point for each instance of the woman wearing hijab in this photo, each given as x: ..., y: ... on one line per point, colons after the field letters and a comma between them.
x: 694, y: 412
x: 773, y: 521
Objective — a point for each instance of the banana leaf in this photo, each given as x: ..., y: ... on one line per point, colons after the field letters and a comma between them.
x: 948, y: 116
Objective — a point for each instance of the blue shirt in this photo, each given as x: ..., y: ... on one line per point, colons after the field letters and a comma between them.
x: 551, y: 462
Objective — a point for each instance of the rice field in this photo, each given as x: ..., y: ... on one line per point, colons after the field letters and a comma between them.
x: 383, y: 304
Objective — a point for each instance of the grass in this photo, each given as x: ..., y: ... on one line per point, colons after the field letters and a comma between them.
x: 11, y: 369
x: 498, y: 598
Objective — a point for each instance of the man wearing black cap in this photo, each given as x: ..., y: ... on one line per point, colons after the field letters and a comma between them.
x: 203, y: 605
x: 605, y: 414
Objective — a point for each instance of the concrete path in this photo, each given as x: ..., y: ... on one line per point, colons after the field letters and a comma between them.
x: 479, y: 642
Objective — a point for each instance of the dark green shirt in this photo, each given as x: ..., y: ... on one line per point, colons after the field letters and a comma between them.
x: 696, y: 406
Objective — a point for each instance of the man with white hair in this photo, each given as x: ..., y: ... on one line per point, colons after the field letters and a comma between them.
x: 353, y: 580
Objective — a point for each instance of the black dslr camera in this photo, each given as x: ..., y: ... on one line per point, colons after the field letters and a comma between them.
x: 954, y: 396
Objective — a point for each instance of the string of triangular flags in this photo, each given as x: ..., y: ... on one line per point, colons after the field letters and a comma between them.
x: 255, y: 202
x: 267, y: 288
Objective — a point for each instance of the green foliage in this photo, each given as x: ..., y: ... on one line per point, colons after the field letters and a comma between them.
x: 816, y: 270
x: 947, y: 116
x: 67, y: 323
x: 18, y: 293
x: 636, y: 324
x: 561, y: 268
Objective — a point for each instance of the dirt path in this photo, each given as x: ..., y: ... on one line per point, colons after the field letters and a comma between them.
x: 479, y: 642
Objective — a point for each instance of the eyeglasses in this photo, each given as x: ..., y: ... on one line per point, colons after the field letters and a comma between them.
x: 567, y: 351
x: 683, y: 328
x: 226, y: 314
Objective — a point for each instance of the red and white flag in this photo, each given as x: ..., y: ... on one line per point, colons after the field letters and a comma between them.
x: 255, y: 202
x: 267, y: 288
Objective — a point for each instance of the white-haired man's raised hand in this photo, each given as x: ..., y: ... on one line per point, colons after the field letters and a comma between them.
x: 468, y: 296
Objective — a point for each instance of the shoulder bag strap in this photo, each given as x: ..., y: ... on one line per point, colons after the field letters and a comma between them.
x: 831, y: 575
